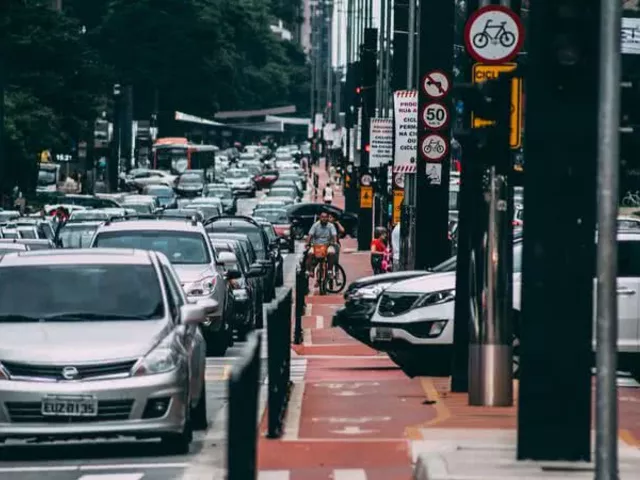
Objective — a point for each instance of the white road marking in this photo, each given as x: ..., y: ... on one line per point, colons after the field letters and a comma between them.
x: 274, y: 475
x: 308, y: 308
x: 350, y: 474
x: 294, y: 413
x: 319, y: 321
x: 112, y: 476
x: 306, y: 335
x: 125, y: 466
x: 62, y: 468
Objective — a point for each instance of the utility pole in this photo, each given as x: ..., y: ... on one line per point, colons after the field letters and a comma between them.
x: 400, y: 45
x: 387, y: 63
x: 116, y: 146
x: 328, y: 19
x: 554, y: 406
x: 380, y: 80
x: 368, y: 86
x: 432, y: 161
x: 5, y: 183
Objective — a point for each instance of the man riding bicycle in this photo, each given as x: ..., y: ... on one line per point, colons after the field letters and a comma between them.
x: 321, y: 233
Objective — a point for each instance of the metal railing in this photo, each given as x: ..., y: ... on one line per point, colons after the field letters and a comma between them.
x: 242, y: 422
x: 279, y: 363
x: 302, y: 289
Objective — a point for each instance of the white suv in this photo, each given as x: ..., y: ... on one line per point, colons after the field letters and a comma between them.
x: 418, y: 313
x: 186, y: 244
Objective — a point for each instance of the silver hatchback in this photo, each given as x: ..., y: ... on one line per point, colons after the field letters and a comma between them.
x: 99, y: 343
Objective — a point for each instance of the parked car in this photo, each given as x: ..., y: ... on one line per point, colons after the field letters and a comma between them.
x: 192, y: 183
x: 274, y: 249
x: 187, y: 246
x: 122, y: 353
x: 281, y: 225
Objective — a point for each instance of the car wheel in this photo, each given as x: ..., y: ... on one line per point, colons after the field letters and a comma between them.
x: 199, y: 412
x: 179, y: 443
x: 280, y: 276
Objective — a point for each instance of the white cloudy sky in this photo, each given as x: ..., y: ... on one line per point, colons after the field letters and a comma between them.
x: 340, y: 36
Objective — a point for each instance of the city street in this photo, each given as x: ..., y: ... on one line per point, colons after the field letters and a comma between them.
x: 118, y: 460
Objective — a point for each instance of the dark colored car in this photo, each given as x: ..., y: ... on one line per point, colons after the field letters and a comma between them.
x: 244, y: 248
x: 274, y: 250
x: 191, y: 183
x: 281, y: 224
x: 243, y: 291
x: 164, y: 194
x: 266, y: 178
x: 303, y: 215
x: 224, y: 193
x: 259, y: 240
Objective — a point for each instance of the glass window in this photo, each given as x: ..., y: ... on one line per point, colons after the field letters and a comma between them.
x: 254, y: 233
x: 276, y: 217
x: 628, y: 258
x: 28, y: 233
x: 191, y: 178
x: 237, y: 173
x: 94, y: 292
x: 181, y: 248
x: 77, y: 236
x: 271, y: 234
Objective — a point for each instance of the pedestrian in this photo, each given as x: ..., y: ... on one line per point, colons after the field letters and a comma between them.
x: 378, y: 248
x: 327, y: 194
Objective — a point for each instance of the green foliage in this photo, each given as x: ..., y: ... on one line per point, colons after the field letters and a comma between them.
x: 199, y: 56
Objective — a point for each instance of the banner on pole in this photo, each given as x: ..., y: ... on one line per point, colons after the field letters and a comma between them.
x: 405, y: 112
x: 380, y: 142
x: 359, y: 130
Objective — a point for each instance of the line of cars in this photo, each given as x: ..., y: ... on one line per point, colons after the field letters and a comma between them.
x: 410, y: 314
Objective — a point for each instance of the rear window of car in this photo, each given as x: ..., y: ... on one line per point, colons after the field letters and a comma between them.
x: 253, y: 232
x: 77, y: 236
x: 181, y: 248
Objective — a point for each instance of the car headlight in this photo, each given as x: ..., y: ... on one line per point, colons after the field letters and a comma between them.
x: 161, y: 359
x: 371, y: 292
x: 436, y: 298
x: 204, y: 286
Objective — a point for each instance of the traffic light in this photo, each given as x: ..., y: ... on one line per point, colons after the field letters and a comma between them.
x: 358, y: 90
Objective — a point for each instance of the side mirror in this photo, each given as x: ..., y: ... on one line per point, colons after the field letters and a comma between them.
x: 192, y: 314
x: 234, y: 274
x: 209, y: 305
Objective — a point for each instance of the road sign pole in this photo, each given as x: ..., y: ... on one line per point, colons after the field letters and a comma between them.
x: 554, y: 404
x: 432, y: 173
x: 607, y: 254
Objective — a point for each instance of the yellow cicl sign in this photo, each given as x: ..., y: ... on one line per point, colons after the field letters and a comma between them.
x: 481, y: 73
x: 366, y: 197
x: 398, y: 197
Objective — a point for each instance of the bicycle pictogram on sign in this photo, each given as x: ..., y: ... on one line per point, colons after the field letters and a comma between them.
x: 493, y: 34
x: 434, y: 147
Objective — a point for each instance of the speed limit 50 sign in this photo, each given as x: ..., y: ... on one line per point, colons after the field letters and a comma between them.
x: 435, y: 116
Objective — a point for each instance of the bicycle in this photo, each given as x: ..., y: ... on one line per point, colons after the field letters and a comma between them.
x: 433, y: 145
x: 631, y: 199
x: 502, y: 35
x: 333, y: 283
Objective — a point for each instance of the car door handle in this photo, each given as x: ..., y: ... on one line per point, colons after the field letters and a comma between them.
x: 626, y: 291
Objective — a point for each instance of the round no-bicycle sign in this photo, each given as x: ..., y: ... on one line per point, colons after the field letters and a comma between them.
x: 435, y: 116
x: 434, y: 147
x: 436, y: 84
x: 493, y: 34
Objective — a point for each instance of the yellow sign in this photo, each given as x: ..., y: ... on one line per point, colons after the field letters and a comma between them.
x: 482, y: 73
x: 45, y: 156
x: 398, y: 197
x: 366, y: 197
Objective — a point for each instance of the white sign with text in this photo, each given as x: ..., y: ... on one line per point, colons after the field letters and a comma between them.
x: 380, y: 141
x: 405, y: 112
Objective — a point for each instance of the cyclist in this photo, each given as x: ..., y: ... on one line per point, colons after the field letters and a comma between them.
x: 321, y: 233
x: 341, y: 232
x: 327, y: 194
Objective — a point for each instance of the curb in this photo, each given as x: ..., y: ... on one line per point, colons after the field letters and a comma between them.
x: 430, y: 466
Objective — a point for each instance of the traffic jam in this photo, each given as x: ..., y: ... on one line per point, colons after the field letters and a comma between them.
x: 191, y: 247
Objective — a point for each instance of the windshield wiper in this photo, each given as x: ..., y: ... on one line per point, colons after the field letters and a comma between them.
x: 80, y: 316
x: 19, y: 318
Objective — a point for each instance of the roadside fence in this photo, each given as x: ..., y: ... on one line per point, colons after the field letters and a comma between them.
x: 302, y: 289
x: 279, y: 361
x: 242, y: 422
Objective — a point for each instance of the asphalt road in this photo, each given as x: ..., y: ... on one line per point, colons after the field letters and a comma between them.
x: 139, y: 460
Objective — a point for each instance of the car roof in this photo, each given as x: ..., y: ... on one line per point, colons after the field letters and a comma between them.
x: 81, y: 256
x: 152, y: 225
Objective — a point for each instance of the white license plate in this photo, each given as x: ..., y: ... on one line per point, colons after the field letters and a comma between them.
x: 383, y: 334
x: 69, y: 406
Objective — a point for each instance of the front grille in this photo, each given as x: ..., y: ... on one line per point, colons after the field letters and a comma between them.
x: 417, y: 329
x: 392, y: 305
x: 54, y: 372
x: 30, y: 412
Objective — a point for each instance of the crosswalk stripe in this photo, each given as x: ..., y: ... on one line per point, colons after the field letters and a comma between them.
x: 350, y: 474
x: 274, y: 475
x: 113, y: 476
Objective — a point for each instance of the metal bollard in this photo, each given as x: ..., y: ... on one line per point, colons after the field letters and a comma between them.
x: 242, y: 422
x: 490, y: 336
x: 298, y: 335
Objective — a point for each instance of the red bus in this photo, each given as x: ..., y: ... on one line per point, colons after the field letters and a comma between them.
x: 177, y: 154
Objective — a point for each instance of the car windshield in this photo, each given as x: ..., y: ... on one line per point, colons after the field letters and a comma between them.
x: 28, y: 233
x: 450, y: 264
x: 190, y: 178
x: 251, y: 231
x: 76, y: 236
x: 220, y: 192
x: 89, y: 215
x: 281, y: 192
x: 238, y: 173
x: 79, y: 292
x: 159, y: 191
x: 273, y: 216
x: 207, y: 211
x: 139, y: 207
x: 181, y: 248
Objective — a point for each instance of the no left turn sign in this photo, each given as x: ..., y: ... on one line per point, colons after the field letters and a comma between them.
x: 434, y: 147
x: 435, y: 116
x: 436, y: 84
x: 493, y: 34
